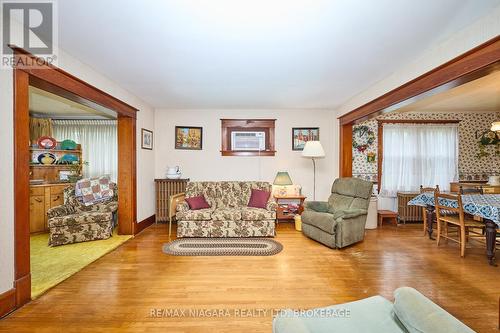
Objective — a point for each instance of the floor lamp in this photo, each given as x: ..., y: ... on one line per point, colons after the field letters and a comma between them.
x: 313, y: 150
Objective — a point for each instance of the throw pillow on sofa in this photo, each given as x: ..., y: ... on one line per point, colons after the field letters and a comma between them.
x: 258, y: 199
x: 197, y: 202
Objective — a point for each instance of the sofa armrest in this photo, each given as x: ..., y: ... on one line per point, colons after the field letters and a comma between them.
x: 271, y: 205
x: 182, y: 206
x: 176, y: 200
x: 59, y: 211
x: 419, y: 314
x: 110, y: 206
x: 349, y: 213
x: 317, y: 206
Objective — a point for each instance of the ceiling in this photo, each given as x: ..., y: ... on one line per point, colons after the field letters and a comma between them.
x: 481, y: 95
x: 46, y: 104
x: 256, y: 53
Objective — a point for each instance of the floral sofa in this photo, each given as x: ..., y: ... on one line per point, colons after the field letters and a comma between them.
x: 74, y: 222
x: 228, y: 215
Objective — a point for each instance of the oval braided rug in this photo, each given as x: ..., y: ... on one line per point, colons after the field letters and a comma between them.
x: 223, y: 247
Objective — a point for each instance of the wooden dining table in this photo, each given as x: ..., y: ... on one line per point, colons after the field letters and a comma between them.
x: 486, y: 206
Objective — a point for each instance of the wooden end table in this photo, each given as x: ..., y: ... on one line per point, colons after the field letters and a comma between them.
x: 286, y: 210
x: 387, y: 214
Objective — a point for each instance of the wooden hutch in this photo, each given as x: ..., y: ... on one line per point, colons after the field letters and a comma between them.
x: 46, y: 186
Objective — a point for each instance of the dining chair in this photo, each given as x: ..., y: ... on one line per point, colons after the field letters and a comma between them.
x: 473, y: 189
x: 458, y: 219
x: 424, y: 209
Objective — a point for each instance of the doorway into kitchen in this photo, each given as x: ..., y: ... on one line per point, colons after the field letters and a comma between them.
x: 35, y: 73
x: 70, y: 143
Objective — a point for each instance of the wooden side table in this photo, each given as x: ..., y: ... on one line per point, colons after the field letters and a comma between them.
x: 387, y: 214
x: 289, y: 206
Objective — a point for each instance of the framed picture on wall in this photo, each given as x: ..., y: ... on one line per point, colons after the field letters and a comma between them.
x: 300, y: 135
x: 188, y: 137
x: 146, y: 139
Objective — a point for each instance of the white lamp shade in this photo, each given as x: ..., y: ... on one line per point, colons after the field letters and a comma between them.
x: 495, y: 127
x: 313, y: 149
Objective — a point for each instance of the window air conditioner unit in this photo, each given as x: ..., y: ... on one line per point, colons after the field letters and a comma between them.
x: 254, y: 141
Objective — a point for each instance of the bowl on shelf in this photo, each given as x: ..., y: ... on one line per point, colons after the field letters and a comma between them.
x: 68, y: 145
x: 69, y: 158
x: 174, y: 176
x: 46, y: 158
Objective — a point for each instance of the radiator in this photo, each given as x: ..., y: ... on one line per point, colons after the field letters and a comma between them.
x: 164, y: 189
x: 408, y: 213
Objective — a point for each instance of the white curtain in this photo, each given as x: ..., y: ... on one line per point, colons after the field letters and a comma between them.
x: 99, y: 142
x: 418, y: 154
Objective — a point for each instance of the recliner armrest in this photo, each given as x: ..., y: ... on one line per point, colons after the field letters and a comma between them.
x: 349, y: 213
x: 317, y: 206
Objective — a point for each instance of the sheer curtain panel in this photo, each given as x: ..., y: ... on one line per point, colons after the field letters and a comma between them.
x: 99, y: 142
x: 418, y: 154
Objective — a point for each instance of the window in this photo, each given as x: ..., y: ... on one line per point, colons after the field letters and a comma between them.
x: 99, y: 142
x: 247, y: 137
x: 418, y: 154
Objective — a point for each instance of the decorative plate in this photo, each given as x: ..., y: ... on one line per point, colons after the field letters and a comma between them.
x: 46, y: 158
x: 47, y: 142
x: 70, y: 158
x: 68, y: 145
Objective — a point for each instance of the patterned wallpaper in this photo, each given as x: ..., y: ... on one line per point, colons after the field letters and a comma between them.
x: 470, y: 167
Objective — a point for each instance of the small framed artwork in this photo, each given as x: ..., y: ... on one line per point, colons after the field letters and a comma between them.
x: 146, y: 139
x: 187, y: 137
x: 64, y: 175
x: 300, y: 135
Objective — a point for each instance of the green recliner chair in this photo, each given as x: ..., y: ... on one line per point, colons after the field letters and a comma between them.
x: 340, y: 221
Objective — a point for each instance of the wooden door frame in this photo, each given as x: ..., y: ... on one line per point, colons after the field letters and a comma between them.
x: 31, y: 69
x: 480, y: 61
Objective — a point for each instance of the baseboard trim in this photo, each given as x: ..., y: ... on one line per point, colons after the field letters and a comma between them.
x: 144, y: 224
x: 7, y: 302
x: 23, y: 290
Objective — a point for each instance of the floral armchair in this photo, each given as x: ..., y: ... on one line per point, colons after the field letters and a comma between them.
x: 75, y: 222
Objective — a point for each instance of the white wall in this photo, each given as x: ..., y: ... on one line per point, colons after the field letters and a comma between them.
x: 145, y: 158
x: 481, y: 31
x: 208, y: 164
x: 6, y: 181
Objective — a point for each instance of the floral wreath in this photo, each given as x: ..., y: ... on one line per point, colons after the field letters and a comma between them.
x: 366, y: 136
x: 488, y: 138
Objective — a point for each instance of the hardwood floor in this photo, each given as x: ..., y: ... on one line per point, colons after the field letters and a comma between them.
x: 118, y: 292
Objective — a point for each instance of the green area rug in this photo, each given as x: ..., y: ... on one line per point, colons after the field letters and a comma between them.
x: 51, y: 265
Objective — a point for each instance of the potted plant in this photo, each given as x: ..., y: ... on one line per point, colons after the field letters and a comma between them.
x: 76, y: 170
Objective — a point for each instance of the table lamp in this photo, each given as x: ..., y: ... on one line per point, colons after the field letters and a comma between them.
x: 495, y: 127
x: 282, y: 179
x: 313, y: 150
